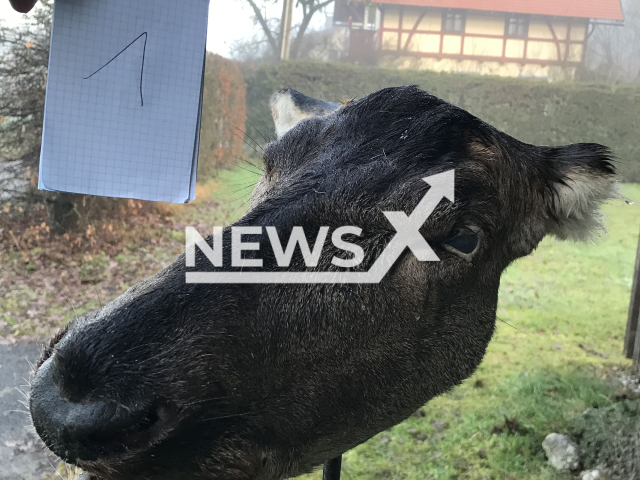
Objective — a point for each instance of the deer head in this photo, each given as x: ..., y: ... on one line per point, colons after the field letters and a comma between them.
x: 266, y: 381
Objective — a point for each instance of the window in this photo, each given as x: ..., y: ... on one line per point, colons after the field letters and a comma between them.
x: 517, y: 27
x: 453, y: 22
x: 354, y: 14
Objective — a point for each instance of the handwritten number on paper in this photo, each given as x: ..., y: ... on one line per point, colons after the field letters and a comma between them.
x: 144, y: 51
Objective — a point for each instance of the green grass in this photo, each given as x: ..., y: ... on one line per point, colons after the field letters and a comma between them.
x: 563, y: 295
x: 221, y: 200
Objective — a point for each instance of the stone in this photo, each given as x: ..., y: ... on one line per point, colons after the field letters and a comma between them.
x: 591, y: 475
x: 439, y: 426
x: 561, y: 452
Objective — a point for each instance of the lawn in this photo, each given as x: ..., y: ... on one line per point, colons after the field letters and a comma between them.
x: 535, y: 378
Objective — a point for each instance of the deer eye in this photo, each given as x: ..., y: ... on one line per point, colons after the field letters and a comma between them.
x: 464, y: 241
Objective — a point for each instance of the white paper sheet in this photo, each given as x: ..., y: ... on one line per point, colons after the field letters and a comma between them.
x: 124, y: 93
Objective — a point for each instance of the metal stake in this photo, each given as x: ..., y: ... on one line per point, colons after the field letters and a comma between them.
x: 332, y: 468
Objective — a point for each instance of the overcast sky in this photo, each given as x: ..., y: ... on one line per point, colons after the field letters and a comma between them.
x: 229, y: 20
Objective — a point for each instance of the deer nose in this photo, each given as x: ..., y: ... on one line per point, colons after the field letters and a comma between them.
x: 85, y: 430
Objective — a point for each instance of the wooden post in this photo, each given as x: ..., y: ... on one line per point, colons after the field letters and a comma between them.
x: 636, y: 349
x: 632, y: 336
x: 285, y: 29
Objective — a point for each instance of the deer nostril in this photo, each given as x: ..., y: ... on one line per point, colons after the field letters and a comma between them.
x: 84, y: 430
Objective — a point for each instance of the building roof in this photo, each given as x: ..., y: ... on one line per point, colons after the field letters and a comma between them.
x: 599, y: 9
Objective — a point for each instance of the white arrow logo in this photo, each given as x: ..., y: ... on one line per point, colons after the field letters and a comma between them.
x: 407, y: 236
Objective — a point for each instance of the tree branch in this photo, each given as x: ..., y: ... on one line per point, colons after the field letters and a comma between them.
x: 306, y: 19
x: 265, y: 27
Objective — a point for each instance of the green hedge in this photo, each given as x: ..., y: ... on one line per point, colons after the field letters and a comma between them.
x: 533, y: 111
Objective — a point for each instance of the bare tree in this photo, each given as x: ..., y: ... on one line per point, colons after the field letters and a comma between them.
x: 633, y: 26
x: 270, y: 27
x: 614, y: 51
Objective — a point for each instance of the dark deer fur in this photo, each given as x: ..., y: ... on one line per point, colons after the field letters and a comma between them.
x: 264, y: 382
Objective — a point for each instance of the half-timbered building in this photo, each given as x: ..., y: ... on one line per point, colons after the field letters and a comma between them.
x: 538, y: 38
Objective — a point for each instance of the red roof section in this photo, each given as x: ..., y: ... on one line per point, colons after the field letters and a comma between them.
x: 600, y: 9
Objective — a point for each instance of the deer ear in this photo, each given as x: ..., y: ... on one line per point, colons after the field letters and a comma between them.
x: 584, y: 179
x: 289, y: 107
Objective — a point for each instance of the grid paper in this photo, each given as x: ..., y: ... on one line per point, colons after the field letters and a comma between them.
x: 128, y: 124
